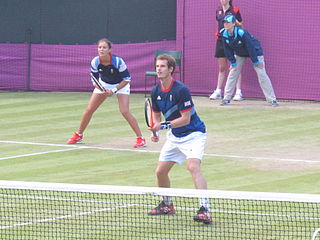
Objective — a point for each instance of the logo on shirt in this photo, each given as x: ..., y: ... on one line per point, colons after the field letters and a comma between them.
x: 158, y: 98
x: 187, y: 103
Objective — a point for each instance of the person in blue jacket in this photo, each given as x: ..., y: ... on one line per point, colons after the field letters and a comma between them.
x: 238, y: 45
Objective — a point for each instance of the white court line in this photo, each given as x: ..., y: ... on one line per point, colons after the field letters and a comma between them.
x: 152, y: 151
x: 38, y: 153
x: 65, y: 216
x: 264, y: 158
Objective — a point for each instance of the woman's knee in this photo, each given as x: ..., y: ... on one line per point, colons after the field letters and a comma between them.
x: 125, y: 113
x: 223, y: 65
x: 94, y: 103
x: 222, y: 68
x: 89, y: 110
x: 124, y: 110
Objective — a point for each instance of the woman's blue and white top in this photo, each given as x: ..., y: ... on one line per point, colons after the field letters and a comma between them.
x: 114, y: 73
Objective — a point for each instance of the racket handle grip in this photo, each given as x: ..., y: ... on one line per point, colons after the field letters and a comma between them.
x: 155, y: 134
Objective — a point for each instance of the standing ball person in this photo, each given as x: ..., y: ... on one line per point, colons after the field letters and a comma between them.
x: 112, y: 73
x: 186, y: 137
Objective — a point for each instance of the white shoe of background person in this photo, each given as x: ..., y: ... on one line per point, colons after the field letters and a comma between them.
x: 215, y: 95
x: 238, y: 97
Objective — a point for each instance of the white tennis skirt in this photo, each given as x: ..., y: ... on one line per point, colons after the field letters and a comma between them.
x: 124, y: 90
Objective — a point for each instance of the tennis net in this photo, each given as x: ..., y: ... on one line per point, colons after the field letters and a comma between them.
x: 34, y: 210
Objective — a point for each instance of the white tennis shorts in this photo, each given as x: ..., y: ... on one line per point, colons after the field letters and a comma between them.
x: 179, y: 149
x: 124, y: 90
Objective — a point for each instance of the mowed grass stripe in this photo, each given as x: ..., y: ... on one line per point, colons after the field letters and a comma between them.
x: 83, y: 166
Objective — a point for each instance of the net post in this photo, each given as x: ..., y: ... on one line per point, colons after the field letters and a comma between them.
x: 314, y: 236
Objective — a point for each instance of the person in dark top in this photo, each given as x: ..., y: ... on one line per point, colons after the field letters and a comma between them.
x: 224, y: 9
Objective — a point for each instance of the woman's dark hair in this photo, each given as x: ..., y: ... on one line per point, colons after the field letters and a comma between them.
x: 107, y: 41
x: 230, y: 2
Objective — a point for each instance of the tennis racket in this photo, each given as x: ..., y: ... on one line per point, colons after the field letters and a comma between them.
x: 96, y: 81
x: 148, y: 115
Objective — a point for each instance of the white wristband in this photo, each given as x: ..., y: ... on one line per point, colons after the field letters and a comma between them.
x: 114, y: 90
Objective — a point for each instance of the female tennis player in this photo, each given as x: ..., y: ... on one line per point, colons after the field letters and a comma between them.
x: 186, y: 137
x: 112, y: 73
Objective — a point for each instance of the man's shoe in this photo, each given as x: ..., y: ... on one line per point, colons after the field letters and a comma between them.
x: 76, y: 138
x: 203, y: 216
x: 140, y: 142
x: 274, y: 103
x: 225, y: 102
x: 238, y: 97
x: 162, y: 209
x: 215, y: 95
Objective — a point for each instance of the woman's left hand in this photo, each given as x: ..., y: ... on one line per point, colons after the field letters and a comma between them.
x: 109, y: 92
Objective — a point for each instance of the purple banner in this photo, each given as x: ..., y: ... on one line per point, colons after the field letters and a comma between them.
x: 67, y: 67
x: 13, y: 66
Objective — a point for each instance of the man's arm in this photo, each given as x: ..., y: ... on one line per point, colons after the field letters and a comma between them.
x: 181, y: 121
x: 156, y: 127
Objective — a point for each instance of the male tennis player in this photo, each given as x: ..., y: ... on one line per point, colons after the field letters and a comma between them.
x: 186, y: 137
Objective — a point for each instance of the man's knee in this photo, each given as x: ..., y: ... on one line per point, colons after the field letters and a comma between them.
x: 161, y: 173
x: 194, y: 167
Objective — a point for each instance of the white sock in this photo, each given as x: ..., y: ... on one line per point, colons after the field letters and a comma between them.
x: 218, y: 90
x: 238, y: 91
x: 167, y: 200
x: 204, y: 202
